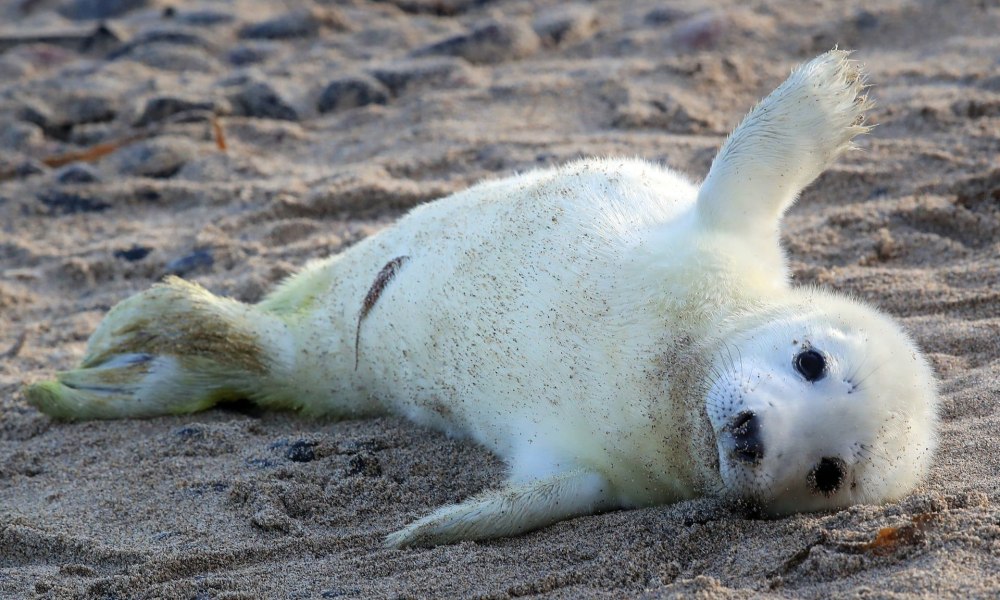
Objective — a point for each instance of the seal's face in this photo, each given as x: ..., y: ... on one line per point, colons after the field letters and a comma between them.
x: 829, y: 408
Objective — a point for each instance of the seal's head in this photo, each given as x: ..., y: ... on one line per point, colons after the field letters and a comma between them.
x: 821, y: 405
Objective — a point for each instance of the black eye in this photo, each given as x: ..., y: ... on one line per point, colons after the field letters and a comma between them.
x: 810, y: 364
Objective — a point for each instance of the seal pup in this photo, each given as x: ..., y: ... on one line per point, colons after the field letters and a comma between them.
x: 619, y: 335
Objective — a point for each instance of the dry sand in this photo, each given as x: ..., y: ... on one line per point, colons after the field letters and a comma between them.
x: 213, y: 506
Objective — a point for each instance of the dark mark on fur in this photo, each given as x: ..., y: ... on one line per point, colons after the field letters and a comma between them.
x: 383, y: 278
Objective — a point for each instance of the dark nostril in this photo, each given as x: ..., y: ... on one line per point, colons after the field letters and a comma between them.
x: 745, y: 429
x: 828, y: 475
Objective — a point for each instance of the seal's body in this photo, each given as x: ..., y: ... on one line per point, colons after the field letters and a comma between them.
x: 619, y: 335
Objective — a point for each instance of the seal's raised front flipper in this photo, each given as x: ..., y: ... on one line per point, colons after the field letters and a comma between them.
x: 175, y: 348
x: 510, y: 511
x: 784, y: 143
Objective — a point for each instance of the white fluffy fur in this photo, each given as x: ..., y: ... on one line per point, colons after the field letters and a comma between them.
x: 599, y: 326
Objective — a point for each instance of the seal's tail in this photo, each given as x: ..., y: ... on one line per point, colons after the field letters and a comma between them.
x: 175, y: 348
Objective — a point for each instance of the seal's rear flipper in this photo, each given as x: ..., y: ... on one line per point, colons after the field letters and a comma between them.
x: 510, y: 511
x: 784, y: 143
x: 175, y: 348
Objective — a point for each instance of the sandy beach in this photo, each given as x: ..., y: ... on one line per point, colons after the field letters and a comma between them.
x: 229, y: 142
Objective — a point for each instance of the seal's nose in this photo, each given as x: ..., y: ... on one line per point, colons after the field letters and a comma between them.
x: 827, y: 476
x: 745, y: 429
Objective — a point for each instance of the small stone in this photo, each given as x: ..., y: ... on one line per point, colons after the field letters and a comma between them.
x: 56, y: 115
x: 295, y: 24
x: 364, y: 464
x: 78, y: 109
x: 101, y: 40
x: 29, y: 167
x: 19, y: 135
x: 204, y: 18
x: 866, y: 20
x: 493, y: 42
x: 438, y: 72
x: 258, y: 99
x: 301, y: 451
x: 565, y: 24
x: 189, y: 432
x: 699, y: 32
x: 663, y: 16
x: 159, y: 158
x: 438, y: 8
x: 249, y: 55
x: 100, y: 9
x: 160, y: 36
x: 174, y: 58
x: 77, y: 173
x: 61, y: 203
x: 199, y: 259
x: 161, y: 107
x: 351, y: 92
x: 36, y: 113
x: 133, y: 254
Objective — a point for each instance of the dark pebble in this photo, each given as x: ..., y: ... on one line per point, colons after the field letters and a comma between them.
x: 494, y: 42
x: 258, y: 99
x: 200, y: 489
x: 77, y: 173
x: 41, y: 115
x: 565, y: 24
x: 364, y: 464
x: 189, y: 432
x: 79, y: 109
x: 301, y: 451
x: 295, y: 24
x: 199, y: 259
x: 865, y: 20
x: 157, y: 158
x: 100, y: 9
x: 90, y: 109
x: 36, y: 113
x: 663, y: 16
x: 248, y: 55
x: 161, y: 36
x: 174, y: 58
x: 203, y: 18
x: 422, y: 72
x: 27, y: 168
x: 62, y: 203
x: 439, y: 8
x: 351, y: 92
x: 102, y: 40
x: 161, y: 107
x: 879, y: 192
x: 134, y: 253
